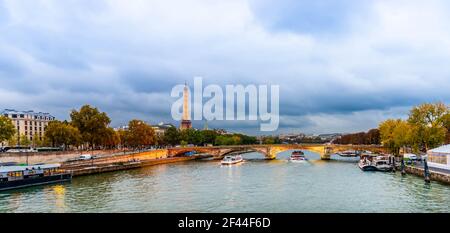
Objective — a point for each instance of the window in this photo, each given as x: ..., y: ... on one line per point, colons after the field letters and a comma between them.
x: 22, y: 116
x: 26, y: 122
x: 438, y: 158
x: 14, y: 115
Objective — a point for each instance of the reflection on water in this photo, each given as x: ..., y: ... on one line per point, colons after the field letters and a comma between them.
x: 256, y: 185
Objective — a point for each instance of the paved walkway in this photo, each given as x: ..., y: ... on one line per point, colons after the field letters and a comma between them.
x: 420, y: 165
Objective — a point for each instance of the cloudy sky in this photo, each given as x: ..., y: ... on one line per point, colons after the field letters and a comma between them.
x: 342, y: 65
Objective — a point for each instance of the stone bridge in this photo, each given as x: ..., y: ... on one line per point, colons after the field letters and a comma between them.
x: 271, y: 151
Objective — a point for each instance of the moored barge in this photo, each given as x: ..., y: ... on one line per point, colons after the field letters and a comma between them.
x: 14, y: 177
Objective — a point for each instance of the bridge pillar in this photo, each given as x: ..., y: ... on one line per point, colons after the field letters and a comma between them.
x: 326, y: 155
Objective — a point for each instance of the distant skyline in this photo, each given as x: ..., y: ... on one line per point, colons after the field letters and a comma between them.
x: 342, y: 65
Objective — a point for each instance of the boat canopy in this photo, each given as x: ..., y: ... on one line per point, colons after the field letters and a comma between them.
x: 25, y: 168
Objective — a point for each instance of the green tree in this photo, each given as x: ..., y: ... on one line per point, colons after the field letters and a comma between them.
x: 209, y: 136
x: 123, y: 137
x: 7, y: 129
x: 224, y: 140
x: 24, y: 140
x: 428, y: 119
x: 91, y: 123
x: 37, y: 141
x: 111, y: 138
x: 140, y: 134
x: 192, y: 136
x: 172, y: 136
x: 62, y: 134
x: 13, y: 140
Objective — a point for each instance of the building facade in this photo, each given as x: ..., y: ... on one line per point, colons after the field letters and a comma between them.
x: 161, y: 128
x: 29, y: 123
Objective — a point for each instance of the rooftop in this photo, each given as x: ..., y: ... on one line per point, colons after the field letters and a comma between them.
x: 441, y: 149
x: 29, y: 112
x: 24, y: 168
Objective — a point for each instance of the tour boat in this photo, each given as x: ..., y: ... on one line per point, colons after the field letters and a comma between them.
x: 232, y: 159
x: 13, y: 177
x: 366, y: 163
x: 298, y: 156
x: 348, y: 153
x: 382, y: 164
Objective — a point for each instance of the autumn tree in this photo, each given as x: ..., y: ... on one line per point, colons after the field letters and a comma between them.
x: 428, y: 120
x: 24, y: 140
x: 387, y: 134
x: 62, y: 134
x: 91, y: 123
x: 140, y: 134
x: 111, y: 138
x: 7, y: 129
x: 446, y: 123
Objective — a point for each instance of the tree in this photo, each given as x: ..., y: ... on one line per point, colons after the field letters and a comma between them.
x: 37, y: 141
x: 24, y: 141
x: 387, y: 129
x: 62, y: 134
x: 446, y: 123
x: 224, y: 140
x: 123, y: 137
x: 192, y: 136
x: 140, y: 134
x: 7, y: 129
x: 111, y: 138
x: 373, y: 137
x: 91, y: 123
x: 172, y: 136
x: 209, y: 136
x: 13, y: 140
x: 428, y: 120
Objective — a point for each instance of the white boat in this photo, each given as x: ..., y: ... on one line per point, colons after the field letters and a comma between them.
x: 298, y: 157
x: 382, y: 164
x: 366, y: 163
x: 232, y: 159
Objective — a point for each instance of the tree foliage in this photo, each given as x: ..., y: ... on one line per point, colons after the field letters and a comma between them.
x: 7, y: 129
x: 372, y: 137
x: 62, y: 134
x: 428, y: 120
x: 91, y: 123
x: 425, y: 128
x: 140, y: 134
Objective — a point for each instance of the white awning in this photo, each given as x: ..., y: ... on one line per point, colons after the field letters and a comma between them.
x: 442, y: 150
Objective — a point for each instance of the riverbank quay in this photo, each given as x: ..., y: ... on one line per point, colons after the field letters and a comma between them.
x: 90, y: 169
x: 56, y: 156
x: 102, y: 160
x: 438, y: 175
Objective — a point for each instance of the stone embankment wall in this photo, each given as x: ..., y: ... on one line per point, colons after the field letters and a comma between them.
x: 51, y: 157
x: 142, y: 156
x: 435, y: 176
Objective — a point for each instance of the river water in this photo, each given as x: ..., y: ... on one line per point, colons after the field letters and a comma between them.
x: 256, y: 185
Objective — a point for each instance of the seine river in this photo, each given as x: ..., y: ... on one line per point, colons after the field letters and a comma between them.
x: 257, y: 185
